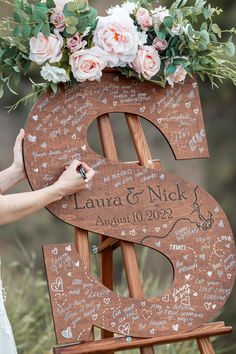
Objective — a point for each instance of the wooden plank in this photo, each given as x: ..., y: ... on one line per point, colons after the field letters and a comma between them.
x: 205, y: 346
x: 145, y: 159
x: 106, y: 259
x: 82, y: 247
x: 128, y: 250
x: 115, y: 344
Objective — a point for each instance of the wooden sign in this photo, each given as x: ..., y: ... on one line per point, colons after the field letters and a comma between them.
x: 133, y: 203
x: 202, y: 284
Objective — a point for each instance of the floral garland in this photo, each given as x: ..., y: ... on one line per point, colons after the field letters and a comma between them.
x: 68, y: 43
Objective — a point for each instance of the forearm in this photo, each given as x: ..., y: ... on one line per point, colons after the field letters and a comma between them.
x: 8, y: 178
x: 16, y: 206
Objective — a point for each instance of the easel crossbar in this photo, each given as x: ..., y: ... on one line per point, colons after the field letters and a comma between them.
x: 121, y: 343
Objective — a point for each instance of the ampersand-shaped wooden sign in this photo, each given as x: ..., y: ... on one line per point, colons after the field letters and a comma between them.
x: 133, y: 203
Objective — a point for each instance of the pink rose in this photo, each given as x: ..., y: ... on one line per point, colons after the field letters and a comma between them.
x: 118, y: 37
x: 57, y: 18
x: 87, y: 64
x: 143, y: 18
x: 147, y: 62
x: 46, y: 48
x: 75, y: 43
x: 178, y: 76
x: 160, y: 44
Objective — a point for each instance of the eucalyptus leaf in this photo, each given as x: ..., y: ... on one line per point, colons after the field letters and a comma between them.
x: 72, y: 21
x: 50, y: 4
x: 216, y: 29
x: 46, y: 29
x: 230, y: 49
x: 71, y: 29
x: 170, y: 69
x: 168, y: 21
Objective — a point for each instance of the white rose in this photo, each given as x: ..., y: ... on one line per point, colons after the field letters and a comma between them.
x: 147, y: 62
x: 61, y: 3
x: 46, y: 48
x: 158, y: 15
x: 54, y: 74
x: 87, y: 64
x: 128, y: 7
x: 118, y: 37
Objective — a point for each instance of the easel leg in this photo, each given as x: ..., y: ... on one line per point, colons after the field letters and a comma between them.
x: 205, y: 346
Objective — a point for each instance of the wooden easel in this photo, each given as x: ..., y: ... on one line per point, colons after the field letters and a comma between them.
x: 108, y: 344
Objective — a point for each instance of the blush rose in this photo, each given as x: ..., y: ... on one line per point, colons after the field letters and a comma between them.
x: 147, y: 62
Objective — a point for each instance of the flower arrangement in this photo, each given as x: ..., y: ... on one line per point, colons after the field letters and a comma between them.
x: 69, y: 44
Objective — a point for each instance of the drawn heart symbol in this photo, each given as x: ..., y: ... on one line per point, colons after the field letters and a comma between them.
x: 213, y: 306
x: 229, y: 276
x: 114, y: 103
x: 58, y: 285
x: 166, y: 298
x: 113, y: 324
x: 68, y: 248
x: 201, y: 150
x: 64, y: 206
x: 187, y: 276
x: 221, y: 223
x: 159, y: 120
x: 216, y: 210
x: 83, y: 147
x: 79, y: 129
x: 186, y: 301
x: 207, y: 305
x: 124, y: 329
x: 146, y: 314
x: 44, y: 165
x: 73, y: 136
x: 36, y: 170
x: 175, y: 327
x: 158, y: 244
x: 107, y: 300
x: 195, y: 111
x: 43, y: 146
x: 165, y: 226
x: 77, y: 264
x: 202, y: 256
x: 35, y: 117
x: 188, y: 104
x: 162, y: 176
x: 142, y: 109
x: 157, y: 229
x: 123, y: 233
x: 132, y: 232
x: 143, y: 303
x: 69, y: 274
x: 32, y: 138
x: 144, y: 230
x: 194, y: 85
x: 195, y: 294
x: 152, y: 331
x: 55, y: 251
x: 67, y: 333
x: 209, y: 273
x: 94, y: 316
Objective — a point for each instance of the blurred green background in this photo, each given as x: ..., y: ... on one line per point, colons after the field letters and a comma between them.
x: 20, y: 242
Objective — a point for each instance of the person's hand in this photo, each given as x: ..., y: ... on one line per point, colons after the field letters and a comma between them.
x: 71, y: 180
x: 18, y: 164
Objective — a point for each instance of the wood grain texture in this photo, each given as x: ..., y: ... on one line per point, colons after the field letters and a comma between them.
x: 205, y: 346
x: 132, y: 203
x: 207, y: 330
